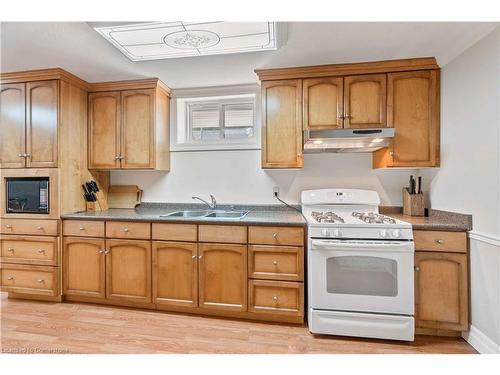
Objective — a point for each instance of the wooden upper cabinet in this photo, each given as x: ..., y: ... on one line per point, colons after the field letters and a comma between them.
x: 128, y: 270
x: 42, y: 123
x: 365, y: 101
x: 129, y: 129
x: 441, y: 291
x: 282, y: 124
x: 413, y: 111
x: 84, y: 267
x: 175, y: 273
x: 223, y: 276
x: 323, y: 103
x: 137, y: 136
x: 12, y: 125
x: 104, y: 130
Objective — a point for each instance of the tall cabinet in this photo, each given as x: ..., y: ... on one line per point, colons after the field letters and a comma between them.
x: 402, y: 94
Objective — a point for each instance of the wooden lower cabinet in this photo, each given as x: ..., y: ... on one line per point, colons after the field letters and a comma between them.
x: 441, y: 291
x: 175, y: 273
x: 84, y: 267
x: 276, y: 297
x: 223, y: 276
x: 128, y: 270
x: 30, y: 279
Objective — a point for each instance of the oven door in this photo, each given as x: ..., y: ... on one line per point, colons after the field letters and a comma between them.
x: 362, y: 275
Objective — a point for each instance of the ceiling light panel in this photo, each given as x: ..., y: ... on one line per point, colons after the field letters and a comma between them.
x: 166, y: 40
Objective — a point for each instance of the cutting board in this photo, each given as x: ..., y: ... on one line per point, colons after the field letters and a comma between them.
x: 124, y: 196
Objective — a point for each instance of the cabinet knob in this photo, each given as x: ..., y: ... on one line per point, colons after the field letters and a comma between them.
x: 200, y: 256
x: 41, y: 280
x: 125, y: 229
x: 8, y: 226
x: 11, y: 278
x: 122, y: 157
x: 417, y: 268
x: 82, y: 228
x: 275, y: 235
x: 27, y: 155
x: 340, y: 117
x: 102, y: 251
x: 39, y: 228
x: 275, y: 262
x: 275, y: 298
x: 41, y: 251
x: 193, y: 257
x: 117, y: 158
x: 21, y: 155
x: 347, y: 115
x: 11, y: 249
x: 440, y: 241
x: 391, y: 153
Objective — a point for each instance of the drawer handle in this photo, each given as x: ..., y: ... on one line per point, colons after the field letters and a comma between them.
x: 275, y: 298
x: 193, y: 257
x: 41, y: 281
x: 82, y: 228
x: 8, y: 226
x: 125, y: 229
x: 11, y: 278
x: 39, y: 228
x: 200, y: 256
x: 41, y: 251
x: 102, y: 251
x: 275, y: 262
x: 11, y: 249
x: 275, y: 235
x: 417, y: 268
x: 106, y: 252
x: 440, y: 241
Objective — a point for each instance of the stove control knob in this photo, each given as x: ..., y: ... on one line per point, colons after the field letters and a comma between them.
x: 383, y: 233
x: 395, y: 233
x: 325, y: 232
x: 337, y: 233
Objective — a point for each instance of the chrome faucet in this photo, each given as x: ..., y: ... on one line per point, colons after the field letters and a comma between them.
x: 212, y: 205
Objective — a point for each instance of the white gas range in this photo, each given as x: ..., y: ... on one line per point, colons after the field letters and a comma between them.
x: 360, y: 266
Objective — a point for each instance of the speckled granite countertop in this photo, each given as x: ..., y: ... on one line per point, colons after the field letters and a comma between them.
x: 437, y: 220
x: 258, y: 215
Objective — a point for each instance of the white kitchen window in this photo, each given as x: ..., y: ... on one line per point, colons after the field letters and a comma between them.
x: 221, y: 122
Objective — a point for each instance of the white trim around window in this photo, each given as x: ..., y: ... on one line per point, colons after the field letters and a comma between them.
x: 214, y: 109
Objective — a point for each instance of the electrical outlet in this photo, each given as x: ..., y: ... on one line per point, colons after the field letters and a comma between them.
x: 276, y: 191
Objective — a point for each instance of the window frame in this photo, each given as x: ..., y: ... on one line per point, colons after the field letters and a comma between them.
x: 220, y: 96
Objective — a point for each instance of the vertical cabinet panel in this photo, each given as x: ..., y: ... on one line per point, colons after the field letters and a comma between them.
x: 282, y: 124
x: 84, y: 267
x: 41, y: 124
x: 12, y: 125
x: 128, y: 270
x: 223, y: 276
x: 175, y: 273
x: 412, y: 109
x: 323, y: 102
x: 441, y: 291
x: 137, y: 145
x: 104, y: 130
x: 365, y: 101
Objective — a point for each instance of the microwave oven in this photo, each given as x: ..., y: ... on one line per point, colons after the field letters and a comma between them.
x: 28, y: 195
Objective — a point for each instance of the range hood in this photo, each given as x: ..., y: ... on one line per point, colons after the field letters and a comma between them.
x: 347, y: 140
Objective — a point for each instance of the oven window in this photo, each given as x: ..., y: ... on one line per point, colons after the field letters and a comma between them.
x: 363, y: 275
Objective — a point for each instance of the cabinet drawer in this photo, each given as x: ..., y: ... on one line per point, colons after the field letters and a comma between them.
x: 29, y: 279
x: 29, y: 249
x: 276, y: 297
x: 276, y: 235
x: 276, y: 262
x: 83, y: 228
x: 455, y: 242
x: 116, y: 229
x: 28, y: 226
x: 175, y: 232
x: 222, y: 233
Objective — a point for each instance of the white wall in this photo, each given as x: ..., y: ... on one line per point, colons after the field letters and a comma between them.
x: 469, y: 179
x: 236, y: 177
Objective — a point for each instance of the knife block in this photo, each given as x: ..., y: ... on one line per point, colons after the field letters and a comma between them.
x: 413, y: 204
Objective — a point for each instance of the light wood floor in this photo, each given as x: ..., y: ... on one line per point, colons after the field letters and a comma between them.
x: 29, y: 326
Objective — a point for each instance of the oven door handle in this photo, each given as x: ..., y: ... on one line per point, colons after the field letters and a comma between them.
x: 361, y: 245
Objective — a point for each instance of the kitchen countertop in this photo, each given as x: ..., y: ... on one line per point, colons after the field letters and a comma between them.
x: 437, y: 220
x: 258, y: 215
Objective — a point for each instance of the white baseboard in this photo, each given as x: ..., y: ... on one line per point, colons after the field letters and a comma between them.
x: 482, y: 343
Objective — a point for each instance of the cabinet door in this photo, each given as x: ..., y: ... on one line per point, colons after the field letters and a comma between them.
x: 41, y: 124
x: 223, y: 276
x: 323, y: 102
x: 84, y: 267
x: 104, y: 130
x: 12, y: 125
x: 282, y: 124
x: 413, y: 110
x: 365, y: 101
x: 175, y: 273
x: 137, y: 138
x: 441, y: 291
x: 128, y: 270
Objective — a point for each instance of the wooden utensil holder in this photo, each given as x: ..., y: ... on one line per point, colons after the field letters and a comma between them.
x: 413, y: 204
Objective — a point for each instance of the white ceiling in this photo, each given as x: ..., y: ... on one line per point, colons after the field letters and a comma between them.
x: 79, y: 49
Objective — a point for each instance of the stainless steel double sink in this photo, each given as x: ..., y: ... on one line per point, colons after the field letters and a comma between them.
x: 218, y: 214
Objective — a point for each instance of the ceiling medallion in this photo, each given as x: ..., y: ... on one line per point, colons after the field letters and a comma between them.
x: 192, y: 39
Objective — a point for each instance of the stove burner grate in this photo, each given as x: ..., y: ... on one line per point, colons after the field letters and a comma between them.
x: 326, y: 217
x: 373, y: 218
